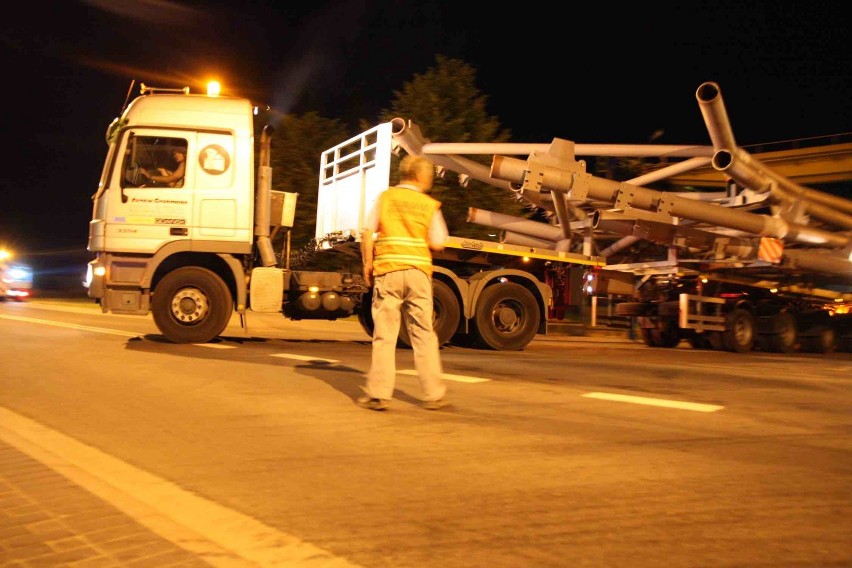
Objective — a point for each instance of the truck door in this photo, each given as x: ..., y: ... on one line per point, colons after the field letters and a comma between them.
x: 140, y: 213
x: 223, y: 182
x: 149, y: 208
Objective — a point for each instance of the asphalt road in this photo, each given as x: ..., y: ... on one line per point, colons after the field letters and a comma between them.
x: 576, y: 451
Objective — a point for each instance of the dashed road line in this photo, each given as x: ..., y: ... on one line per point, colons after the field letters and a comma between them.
x: 694, y: 406
x: 648, y: 401
x: 411, y: 372
x: 72, y: 326
x: 448, y: 377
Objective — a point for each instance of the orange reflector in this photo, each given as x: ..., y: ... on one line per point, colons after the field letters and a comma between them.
x: 770, y: 250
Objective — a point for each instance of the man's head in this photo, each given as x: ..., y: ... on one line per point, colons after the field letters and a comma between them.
x: 418, y: 171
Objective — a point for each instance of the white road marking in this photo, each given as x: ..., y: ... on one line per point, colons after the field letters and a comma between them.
x: 695, y: 406
x: 103, y: 330
x: 220, y: 536
x: 72, y: 326
x: 448, y: 376
x: 303, y: 357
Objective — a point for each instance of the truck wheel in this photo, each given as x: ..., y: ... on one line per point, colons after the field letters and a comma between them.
x: 699, y: 341
x: 648, y: 337
x: 667, y: 334
x: 783, y: 338
x: 191, y: 305
x: 365, y: 313
x: 506, y: 318
x: 445, y: 313
x: 714, y: 339
x: 822, y: 339
x: 739, y: 335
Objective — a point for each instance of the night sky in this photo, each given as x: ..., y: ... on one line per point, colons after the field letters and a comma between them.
x: 589, y: 72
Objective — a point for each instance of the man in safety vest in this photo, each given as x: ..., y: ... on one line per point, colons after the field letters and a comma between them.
x: 400, y: 232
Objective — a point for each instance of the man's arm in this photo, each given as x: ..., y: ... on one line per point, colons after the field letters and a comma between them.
x: 367, y: 240
x: 172, y: 177
x: 438, y: 233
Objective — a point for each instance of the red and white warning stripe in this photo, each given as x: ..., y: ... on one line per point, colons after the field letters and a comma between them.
x: 770, y: 250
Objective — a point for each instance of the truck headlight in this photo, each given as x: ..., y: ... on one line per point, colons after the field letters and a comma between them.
x: 94, y: 271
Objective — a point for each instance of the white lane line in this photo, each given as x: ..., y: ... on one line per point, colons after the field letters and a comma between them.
x: 694, y: 406
x: 220, y: 536
x: 72, y: 326
x: 103, y: 330
x: 449, y: 377
x: 303, y: 358
x: 412, y: 372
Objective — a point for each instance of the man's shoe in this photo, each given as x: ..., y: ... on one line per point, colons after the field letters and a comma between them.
x: 434, y: 404
x: 373, y: 403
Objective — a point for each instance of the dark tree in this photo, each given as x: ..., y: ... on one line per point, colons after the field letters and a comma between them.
x: 446, y: 104
x: 297, y: 143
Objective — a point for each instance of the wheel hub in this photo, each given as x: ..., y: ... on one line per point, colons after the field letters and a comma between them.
x: 189, y: 305
x: 505, y: 318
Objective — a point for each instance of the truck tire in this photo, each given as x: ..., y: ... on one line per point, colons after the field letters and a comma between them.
x: 817, y: 332
x: 740, y: 331
x: 699, y: 341
x: 445, y: 311
x: 506, y: 317
x: 648, y: 337
x: 191, y: 305
x: 821, y: 339
x: 782, y: 338
x: 714, y: 339
x: 365, y: 313
x: 666, y: 334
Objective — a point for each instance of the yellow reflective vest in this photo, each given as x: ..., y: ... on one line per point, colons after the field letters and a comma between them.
x: 404, y: 219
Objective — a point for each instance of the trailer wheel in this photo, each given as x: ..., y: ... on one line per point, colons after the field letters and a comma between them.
x: 365, y: 313
x: 714, y: 339
x: 667, y: 334
x: 739, y: 335
x: 506, y: 318
x: 191, y: 305
x: 822, y: 339
x: 445, y: 312
x: 699, y: 341
x: 648, y: 337
x: 783, y: 338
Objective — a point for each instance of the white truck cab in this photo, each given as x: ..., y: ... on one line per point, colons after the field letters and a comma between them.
x: 213, y: 203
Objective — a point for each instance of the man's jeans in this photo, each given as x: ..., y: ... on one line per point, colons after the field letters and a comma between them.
x: 404, y: 295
